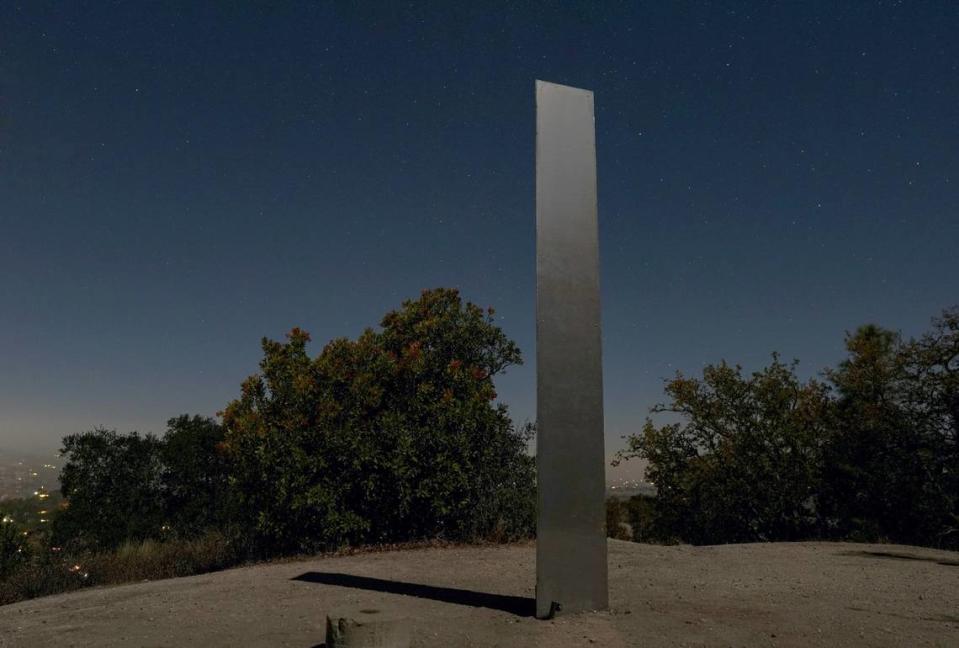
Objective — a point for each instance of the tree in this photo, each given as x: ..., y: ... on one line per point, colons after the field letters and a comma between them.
x: 195, y: 475
x: 14, y: 551
x: 862, y: 464
x: 742, y: 465
x: 932, y: 368
x: 891, y: 463
x: 113, y: 485
x: 643, y: 522
x: 871, y: 454
x: 389, y: 437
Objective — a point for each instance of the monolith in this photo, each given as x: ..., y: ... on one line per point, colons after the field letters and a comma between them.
x: 571, y: 572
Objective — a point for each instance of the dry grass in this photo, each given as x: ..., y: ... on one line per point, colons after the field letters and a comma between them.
x: 153, y: 560
x: 133, y: 561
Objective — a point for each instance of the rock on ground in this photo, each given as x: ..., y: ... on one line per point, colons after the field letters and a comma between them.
x: 780, y: 594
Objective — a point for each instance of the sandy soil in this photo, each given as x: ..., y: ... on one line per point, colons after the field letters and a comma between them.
x: 785, y: 594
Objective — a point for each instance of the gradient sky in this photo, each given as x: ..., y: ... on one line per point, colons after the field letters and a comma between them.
x: 178, y: 181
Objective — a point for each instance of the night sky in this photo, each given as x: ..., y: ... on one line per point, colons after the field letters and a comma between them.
x: 178, y: 181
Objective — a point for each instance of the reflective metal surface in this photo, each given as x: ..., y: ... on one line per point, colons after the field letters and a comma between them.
x: 571, y: 573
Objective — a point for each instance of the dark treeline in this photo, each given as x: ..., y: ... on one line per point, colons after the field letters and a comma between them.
x: 868, y: 453
x: 394, y: 438
x: 390, y: 438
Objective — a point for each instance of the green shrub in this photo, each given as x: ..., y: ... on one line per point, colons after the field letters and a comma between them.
x: 642, y: 519
x: 870, y: 455
x: 14, y: 551
x: 616, y: 520
x: 196, y: 493
x: 745, y: 463
x: 892, y: 461
x: 389, y: 438
x: 113, y: 485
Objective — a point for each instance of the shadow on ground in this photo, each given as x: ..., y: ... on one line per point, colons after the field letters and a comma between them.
x: 518, y: 605
x: 894, y: 555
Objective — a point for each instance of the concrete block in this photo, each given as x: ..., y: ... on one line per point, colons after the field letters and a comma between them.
x: 367, y: 627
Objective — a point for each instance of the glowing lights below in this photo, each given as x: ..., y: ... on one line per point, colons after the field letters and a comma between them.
x: 76, y: 570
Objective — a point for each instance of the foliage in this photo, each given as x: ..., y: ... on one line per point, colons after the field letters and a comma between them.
x: 113, y: 485
x: 932, y: 362
x: 386, y: 438
x: 871, y: 454
x: 643, y: 523
x: 195, y: 476
x: 127, y: 487
x: 14, y: 551
x: 891, y: 464
x: 57, y: 572
x: 744, y: 465
x: 634, y: 519
x: 38, y: 577
x: 616, y: 519
x: 152, y: 559
x: 389, y: 438
x: 740, y: 432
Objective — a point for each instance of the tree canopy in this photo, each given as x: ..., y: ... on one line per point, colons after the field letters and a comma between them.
x: 392, y: 436
x: 869, y: 453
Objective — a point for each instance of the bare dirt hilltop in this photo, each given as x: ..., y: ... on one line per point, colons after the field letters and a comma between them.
x: 784, y: 594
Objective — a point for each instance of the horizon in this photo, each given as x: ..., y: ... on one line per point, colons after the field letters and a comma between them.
x: 180, y: 182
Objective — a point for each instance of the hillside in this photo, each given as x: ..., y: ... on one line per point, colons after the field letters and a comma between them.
x: 786, y: 594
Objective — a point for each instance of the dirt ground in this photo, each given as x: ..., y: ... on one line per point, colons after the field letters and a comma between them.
x: 783, y: 594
